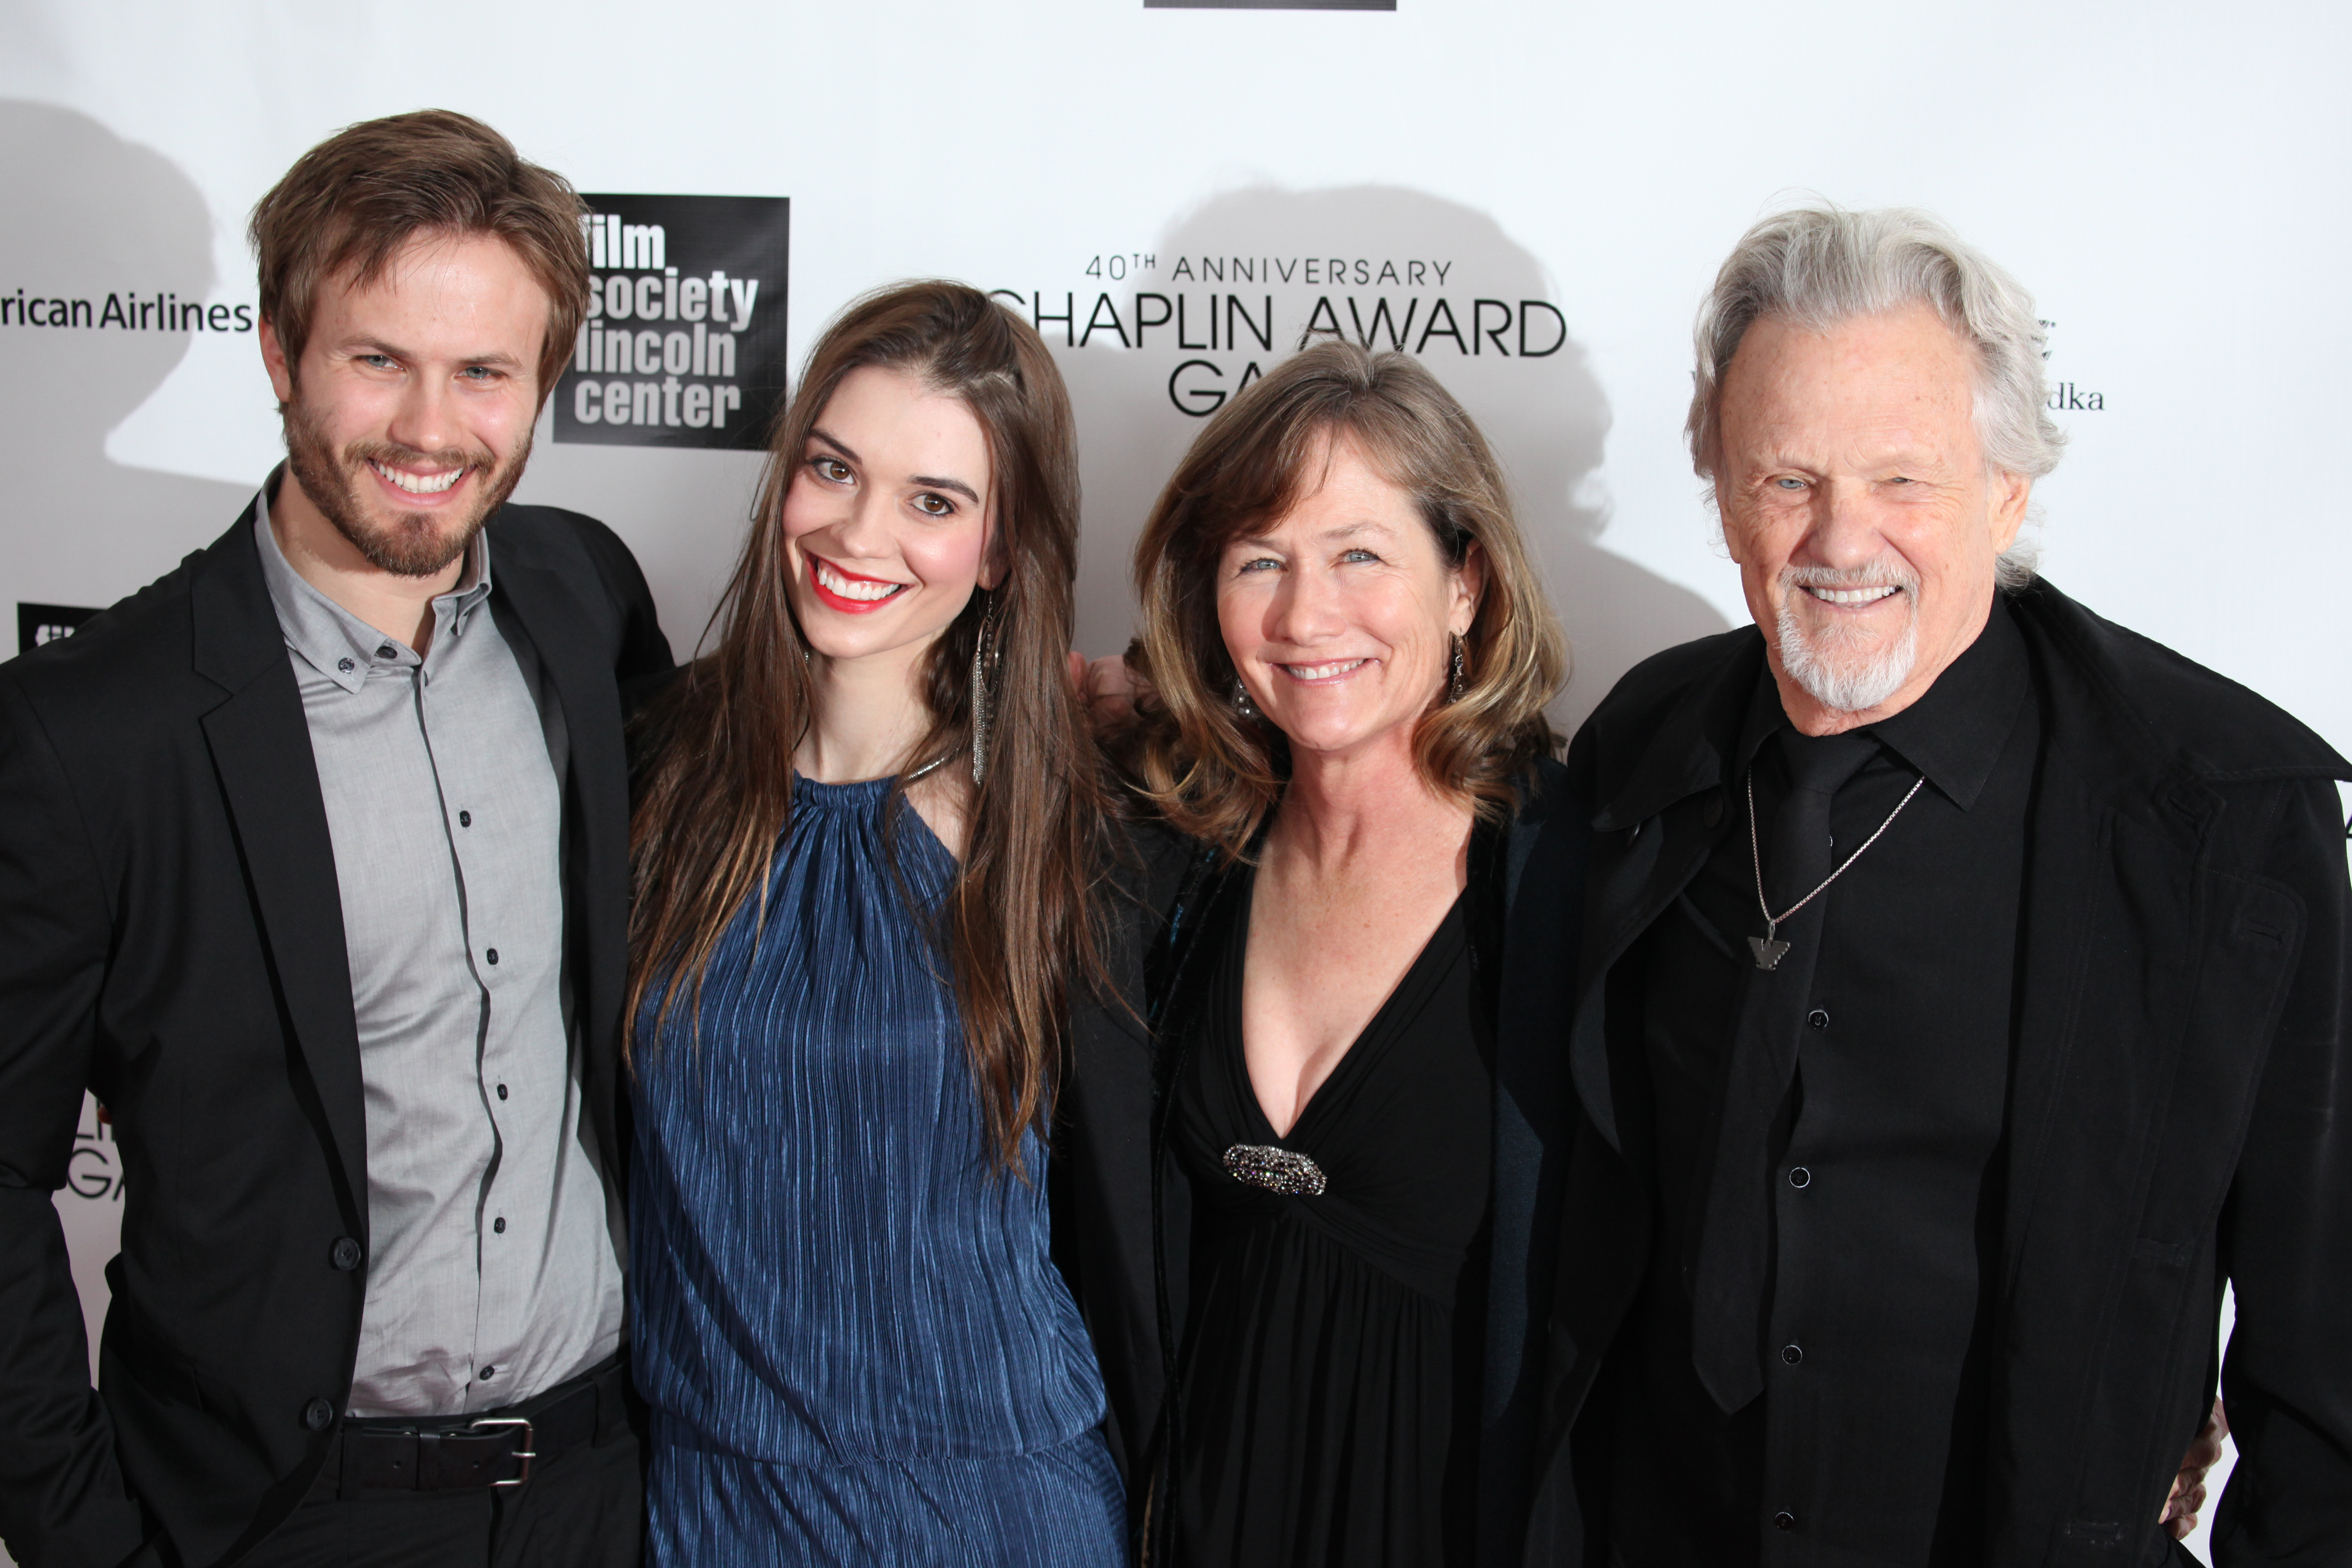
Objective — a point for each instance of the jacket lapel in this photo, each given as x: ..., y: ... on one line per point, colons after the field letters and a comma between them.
x: 260, y: 745
x: 2069, y: 838
x: 579, y: 671
x: 1641, y: 858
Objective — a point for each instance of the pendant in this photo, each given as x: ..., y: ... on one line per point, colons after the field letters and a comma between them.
x: 1768, y: 952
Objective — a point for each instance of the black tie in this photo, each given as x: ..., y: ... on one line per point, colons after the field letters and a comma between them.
x: 1727, y: 1279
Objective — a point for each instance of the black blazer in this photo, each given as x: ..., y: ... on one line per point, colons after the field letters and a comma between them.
x: 2180, y: 1103
x: 1123, y: 1214
x: 171, y: 938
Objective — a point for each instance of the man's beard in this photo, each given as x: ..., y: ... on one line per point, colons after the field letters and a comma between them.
x: 1846, y: 668
x: 414, y: 544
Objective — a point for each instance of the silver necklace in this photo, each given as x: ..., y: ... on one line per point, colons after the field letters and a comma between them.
x: 1768, y: 952
x: 934, y: 765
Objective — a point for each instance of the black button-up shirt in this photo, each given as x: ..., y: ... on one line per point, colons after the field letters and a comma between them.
x: 1873, y: 1184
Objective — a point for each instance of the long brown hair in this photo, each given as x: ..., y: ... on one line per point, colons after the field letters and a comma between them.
x: 716, y: 794
x: 1216, y: 773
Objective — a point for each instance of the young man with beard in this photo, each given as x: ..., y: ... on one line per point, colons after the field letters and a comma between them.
x: 1963, y: 1002
x: 315, y: 873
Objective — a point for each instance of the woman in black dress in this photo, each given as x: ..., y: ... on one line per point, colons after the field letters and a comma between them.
x: 1350, y: 658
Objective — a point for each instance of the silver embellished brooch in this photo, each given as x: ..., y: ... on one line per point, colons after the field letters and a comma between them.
x: 1277, y: 1170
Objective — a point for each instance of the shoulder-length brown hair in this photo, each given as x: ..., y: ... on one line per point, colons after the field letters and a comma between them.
x: 716, y: 793
x: 1213, y: 772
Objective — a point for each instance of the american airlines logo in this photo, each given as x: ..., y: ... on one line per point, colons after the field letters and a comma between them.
x: 683, y: 345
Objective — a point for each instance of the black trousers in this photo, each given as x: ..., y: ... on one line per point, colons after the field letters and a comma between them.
x: 585, y: 1510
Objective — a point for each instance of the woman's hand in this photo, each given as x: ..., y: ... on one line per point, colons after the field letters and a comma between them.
x: 2179, y: 1515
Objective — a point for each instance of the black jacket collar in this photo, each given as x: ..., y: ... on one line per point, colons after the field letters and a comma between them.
x: 2141, y: 714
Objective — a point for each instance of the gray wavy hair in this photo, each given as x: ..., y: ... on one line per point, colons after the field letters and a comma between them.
x: 1819, y: 265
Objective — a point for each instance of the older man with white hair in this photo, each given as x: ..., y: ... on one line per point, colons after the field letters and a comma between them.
x: 1963, y: 1002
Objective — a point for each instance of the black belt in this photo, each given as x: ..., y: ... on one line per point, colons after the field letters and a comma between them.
x: 494, y: 1450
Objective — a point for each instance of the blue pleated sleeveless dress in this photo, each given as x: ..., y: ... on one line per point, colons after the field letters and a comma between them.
x: 855, y: 1346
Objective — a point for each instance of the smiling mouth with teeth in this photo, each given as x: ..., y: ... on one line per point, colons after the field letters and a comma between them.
x: 1869, y: 596
x: 420, y: 484
x: 1332, y: 672
x: 846, y: 591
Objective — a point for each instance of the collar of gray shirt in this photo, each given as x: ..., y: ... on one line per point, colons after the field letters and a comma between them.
x: 337, y: 643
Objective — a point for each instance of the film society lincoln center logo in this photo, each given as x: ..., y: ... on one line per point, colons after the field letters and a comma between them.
x: 684, y: 343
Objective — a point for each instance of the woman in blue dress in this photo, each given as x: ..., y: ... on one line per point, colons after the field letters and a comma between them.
x: 868, y: 825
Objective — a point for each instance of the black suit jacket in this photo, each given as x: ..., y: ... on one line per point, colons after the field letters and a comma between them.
x: 2181, y: 1102
x: 171, y: 939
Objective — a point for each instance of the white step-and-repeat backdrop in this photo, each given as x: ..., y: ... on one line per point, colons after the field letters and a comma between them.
x: 1529, y: 193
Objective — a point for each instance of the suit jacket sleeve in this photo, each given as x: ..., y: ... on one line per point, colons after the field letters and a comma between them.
x: 2286, y: 1236
x: 62, y: 1497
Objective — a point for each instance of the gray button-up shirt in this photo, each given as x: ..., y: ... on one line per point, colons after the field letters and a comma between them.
x: 494, y: 1266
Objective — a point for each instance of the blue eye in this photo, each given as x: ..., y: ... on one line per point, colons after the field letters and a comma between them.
x: 1355, y: 555
x: 1790, y: 484
x: 1255, y: 562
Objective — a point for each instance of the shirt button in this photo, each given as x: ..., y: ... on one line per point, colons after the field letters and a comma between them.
x: 1792, y: 1355
x: 346, y: 665
x: 1800, y: 1177
x: 1784, y: 1519
x: 465, y: 819
x: 1819, y: 1018
x: 493, y: 955
x: 345, y: 1255
x: 502, y: 1091
x: 489, y: 1372
x: 387, y: 651
x: 500, y: 1225
x: 317, y: 1415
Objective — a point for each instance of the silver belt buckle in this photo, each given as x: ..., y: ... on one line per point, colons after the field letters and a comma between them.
x: 526, y: 1453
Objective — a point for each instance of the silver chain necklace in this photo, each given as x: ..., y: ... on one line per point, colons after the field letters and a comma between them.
x: 934, y: 765
x: 1769, y: 952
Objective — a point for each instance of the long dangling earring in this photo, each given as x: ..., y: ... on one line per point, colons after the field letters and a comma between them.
x: 985, y: 658
x: 1458, y: 681
x: 1243, y: 708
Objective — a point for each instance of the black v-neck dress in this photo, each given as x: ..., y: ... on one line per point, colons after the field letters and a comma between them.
x: 1328, y: 1387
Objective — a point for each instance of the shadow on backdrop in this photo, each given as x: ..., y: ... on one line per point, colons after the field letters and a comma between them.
x: 1542, y: 409
x: 90, y: 215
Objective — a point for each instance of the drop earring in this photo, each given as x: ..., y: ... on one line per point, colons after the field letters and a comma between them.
x: 1458, y: 681
x: 1243, y: 708
x: 986, y: 656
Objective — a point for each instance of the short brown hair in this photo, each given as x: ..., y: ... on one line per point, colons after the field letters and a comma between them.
x: 1217, y: 774
x: 351, y: 203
